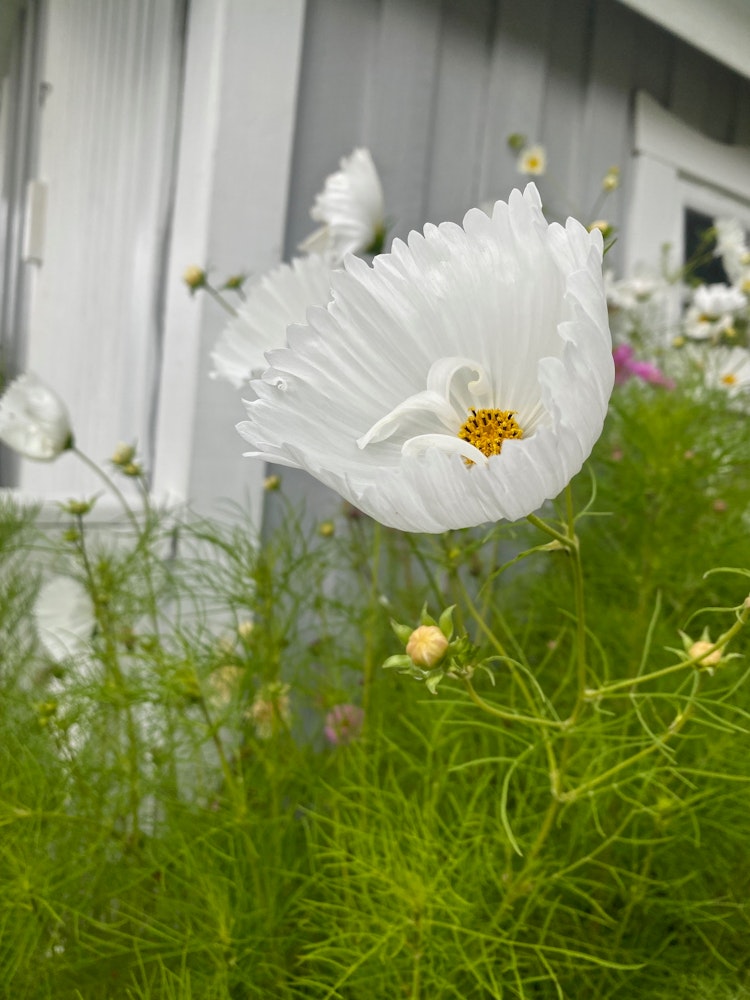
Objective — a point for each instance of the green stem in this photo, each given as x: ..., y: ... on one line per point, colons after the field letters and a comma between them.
x: 368, y: 665
x: 226, y: 770
x: 692, y: 661
x: 218, y: 297
x: 675, y: 726
x: 531, y: 720
x: 111, y: 486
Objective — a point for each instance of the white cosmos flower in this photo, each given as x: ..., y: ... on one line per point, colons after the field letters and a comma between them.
x: 64, y: 618
x: 731, y: 246
x: 384, y: 394
x: 713, y: 310
x: 532, y: 160
x: 350, y: 206
x: 281, y: 298
x: 34, y: 420
x: 728, y: 368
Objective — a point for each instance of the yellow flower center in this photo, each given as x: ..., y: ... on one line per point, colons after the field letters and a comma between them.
x: 487, y: 429
x: 729, y: 379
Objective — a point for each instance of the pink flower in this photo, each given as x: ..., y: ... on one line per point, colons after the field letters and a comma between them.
x: 343, y: 724
x: 627, y: 366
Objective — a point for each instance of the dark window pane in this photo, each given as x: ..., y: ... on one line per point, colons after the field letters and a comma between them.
x: 709, y: 269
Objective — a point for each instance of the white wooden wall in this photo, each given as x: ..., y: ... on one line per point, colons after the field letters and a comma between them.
x: 434, y: 88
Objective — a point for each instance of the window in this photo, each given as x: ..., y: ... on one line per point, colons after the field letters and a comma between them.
x: 682, y: 182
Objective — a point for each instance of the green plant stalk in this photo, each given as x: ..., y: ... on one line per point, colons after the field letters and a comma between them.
x: 112, y: 661
x: 218, y: 297
x: 369, y: 657
x: 529, y: 720
x: 675, y: 726
x: 692, y: 661
x: 111, y: 486
x: 226, y: 770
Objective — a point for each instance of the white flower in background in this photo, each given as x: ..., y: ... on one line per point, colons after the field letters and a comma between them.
x: 271, y: 711
x: 460, y: 379
x: 350, y: 206
x: 64, y: 616
x: 532, y: 161
x: 34, y: 420
x: 630, y: 293
x: 712, y: 311
x: 281, y: 298
x: 728, y: 368
x: 731, y: 246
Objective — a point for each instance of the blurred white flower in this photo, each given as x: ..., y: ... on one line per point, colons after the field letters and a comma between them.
x: 532, y: 161
x: 731, y: 246
x: 271, y: 711
x: 64, y: 616
x: 34, y: 420
x: 460, y: 379
x: 280, y: 299
x: 728, y: 368
x: 629, y: 293
x: 712, y: 311
x: 350, y: 206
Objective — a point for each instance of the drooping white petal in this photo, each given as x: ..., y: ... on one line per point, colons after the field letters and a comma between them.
x: 34, y: 421
x: 505, y: 313
x: 281, y: 298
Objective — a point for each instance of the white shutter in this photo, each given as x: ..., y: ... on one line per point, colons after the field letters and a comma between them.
x: 111, y: 76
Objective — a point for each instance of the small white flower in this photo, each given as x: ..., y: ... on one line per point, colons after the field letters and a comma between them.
x: 460, y: 379
x: 271, y: 710
x: 532, y: 161
x: 712, y: 311
x: 731, y: 246
x: 34, y: 420
x: 64, y: 618
x: 350, y: 206
x: 281, y: 298
x: 728, y: 368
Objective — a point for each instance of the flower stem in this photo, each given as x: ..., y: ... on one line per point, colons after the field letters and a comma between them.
x: 111, y: 486
x: 531, y: 720
x: 218, y: 297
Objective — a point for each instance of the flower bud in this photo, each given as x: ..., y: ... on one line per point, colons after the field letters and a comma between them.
x: 426, y: 646
x: 326, y: 529
x: 611, y: 179
x: 271, y: 483
x: 194, y: 277
x: 700, y: 647
x: 604, y: 227
x: 123, y: 454
x: 78, y: 507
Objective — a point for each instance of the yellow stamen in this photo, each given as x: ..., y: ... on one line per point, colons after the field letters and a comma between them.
x: 487, y: 429
x: 729, y: 379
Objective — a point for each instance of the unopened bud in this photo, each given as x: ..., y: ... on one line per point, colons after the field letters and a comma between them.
x: 78, y: 507
x: 194, y: 277
x: 123, y: 454
x: 604, y: 227
x: 271, y: 483
x: 611, y: 179
x: 701, y: 647
x: 326, y: 529
x: 426, y: 646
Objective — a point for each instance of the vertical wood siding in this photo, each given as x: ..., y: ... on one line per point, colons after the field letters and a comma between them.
x: 434, y: 88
